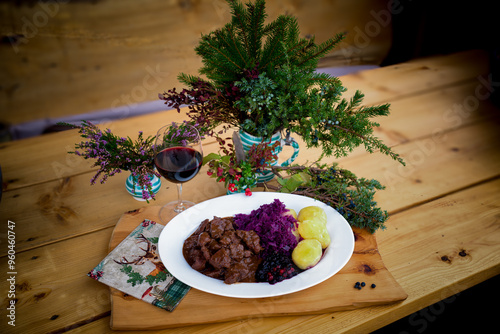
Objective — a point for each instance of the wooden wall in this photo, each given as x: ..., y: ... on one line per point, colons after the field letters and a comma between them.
x: 69, y: 57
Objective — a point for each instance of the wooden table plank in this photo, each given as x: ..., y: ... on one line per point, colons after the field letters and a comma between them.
x: 52, y: 289
x: 88, y: 46
x: 435, y: 166
x: 50, y: 151
x: 420, y: 75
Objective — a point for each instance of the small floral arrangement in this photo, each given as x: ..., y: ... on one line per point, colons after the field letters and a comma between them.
x: 114, y: 154
x: 236, y: 171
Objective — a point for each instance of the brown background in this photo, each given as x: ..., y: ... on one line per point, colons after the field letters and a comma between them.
x: 62, y: 58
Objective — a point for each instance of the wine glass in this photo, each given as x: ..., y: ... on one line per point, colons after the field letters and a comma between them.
x: 178, y: 158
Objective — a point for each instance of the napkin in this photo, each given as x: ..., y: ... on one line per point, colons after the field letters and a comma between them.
x: 134, y: 267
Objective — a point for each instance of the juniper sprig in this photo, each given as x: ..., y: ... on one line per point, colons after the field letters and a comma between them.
x: 339, y: 188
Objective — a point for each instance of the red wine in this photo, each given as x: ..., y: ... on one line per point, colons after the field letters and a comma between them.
x: 178, y: 164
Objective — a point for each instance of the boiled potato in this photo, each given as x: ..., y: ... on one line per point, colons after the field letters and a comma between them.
x: 307, y: 253
x: 310, y: 212
x: 315, y: 229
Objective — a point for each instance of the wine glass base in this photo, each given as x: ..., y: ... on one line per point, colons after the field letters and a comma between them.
x: 172, y: 209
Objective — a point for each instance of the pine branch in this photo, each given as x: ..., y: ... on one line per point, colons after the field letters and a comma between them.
x: 235, y: 46
x: 272, y: 48
x: 324, y: 48
x: 239, y: 18
x: 224, y: 55
x: 256, y: 17
x: 189, y: 80
x: 322, y: 78
x: 371, y: 142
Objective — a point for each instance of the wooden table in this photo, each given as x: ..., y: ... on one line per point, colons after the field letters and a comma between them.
x: 441, y: 238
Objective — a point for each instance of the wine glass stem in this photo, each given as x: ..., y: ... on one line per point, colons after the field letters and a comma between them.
x: 180, y: 207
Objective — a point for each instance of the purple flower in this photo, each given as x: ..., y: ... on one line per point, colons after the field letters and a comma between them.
x: 113, y: 154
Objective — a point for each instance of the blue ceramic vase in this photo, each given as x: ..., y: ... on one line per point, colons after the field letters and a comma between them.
x: 134, y: 189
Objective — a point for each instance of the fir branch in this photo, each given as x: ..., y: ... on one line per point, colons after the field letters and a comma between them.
x: 323, y: 79
x: 234, y: 45
x: 324, y: 48
x: 256, y: 17
x: 239, y: 19
x: 272, y: 49
x: 189, y: 80
x: 224, y: 55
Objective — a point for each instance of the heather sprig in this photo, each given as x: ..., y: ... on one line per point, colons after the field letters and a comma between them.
x: 181, y: 133
x: 114, y: 154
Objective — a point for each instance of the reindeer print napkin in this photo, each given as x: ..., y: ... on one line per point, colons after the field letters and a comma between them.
x: 134, y: 267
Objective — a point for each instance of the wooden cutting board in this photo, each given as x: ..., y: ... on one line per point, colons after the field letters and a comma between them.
x: 197, y: 307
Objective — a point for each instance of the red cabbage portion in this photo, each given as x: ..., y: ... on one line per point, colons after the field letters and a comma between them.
x: 273, y: 228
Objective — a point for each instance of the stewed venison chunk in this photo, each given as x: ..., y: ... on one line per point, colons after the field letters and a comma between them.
x: 218, y: 250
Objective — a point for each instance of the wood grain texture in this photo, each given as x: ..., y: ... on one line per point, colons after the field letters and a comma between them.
x: 198, y: 307
x: 68, y: 58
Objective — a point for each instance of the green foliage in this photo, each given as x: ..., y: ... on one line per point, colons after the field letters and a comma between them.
x: 261, y: 78
x: 259, y: 105
x: 248, y: 43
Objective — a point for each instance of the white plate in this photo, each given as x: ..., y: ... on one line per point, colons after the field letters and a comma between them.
x: 183, y: 225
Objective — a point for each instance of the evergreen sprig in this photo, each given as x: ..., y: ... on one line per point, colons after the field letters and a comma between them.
x: 339, y: 188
